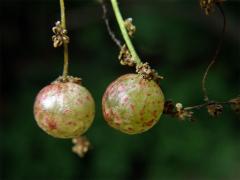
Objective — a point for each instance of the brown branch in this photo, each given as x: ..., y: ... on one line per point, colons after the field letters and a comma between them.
x: 111, y: 33
x: 206, y: 98
x: 197, y: 107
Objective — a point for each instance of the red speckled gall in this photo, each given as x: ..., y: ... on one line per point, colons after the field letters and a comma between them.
x: 132, y: 104
x: 64, y: 109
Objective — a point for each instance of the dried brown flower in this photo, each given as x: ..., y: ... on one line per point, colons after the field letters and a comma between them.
x: 215, y: 109
x: 60, y: 35
x: 235, y: 104
x: 169, y: 108
x: 81, y: 145
x: 207, y: 5
x: 130, y: 27
x: 125, y: 56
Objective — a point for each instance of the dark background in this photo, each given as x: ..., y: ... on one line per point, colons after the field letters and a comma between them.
x: 175, y: 37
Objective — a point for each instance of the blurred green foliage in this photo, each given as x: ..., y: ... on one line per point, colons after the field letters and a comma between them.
x: 175, y: 37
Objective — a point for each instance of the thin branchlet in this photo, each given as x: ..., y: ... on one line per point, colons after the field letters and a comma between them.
x: 197, y: 107
x: 111, y: 33
x: 219, y: 46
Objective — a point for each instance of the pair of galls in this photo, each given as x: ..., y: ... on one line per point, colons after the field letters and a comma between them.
x: 66, y: 109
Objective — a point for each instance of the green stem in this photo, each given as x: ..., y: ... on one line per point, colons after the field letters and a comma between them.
x: 124, y: 32
x: 65, y: 45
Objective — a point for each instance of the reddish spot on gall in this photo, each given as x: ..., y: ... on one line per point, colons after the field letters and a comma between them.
x: 71, y: 123
x: 149, y: 123
x: 88, y: 98
x: 142, y: 112
x: 132, y: 107
x: 130, y: 129
x: 66, y: 111
x: 154, y: 113
x: 79, y: 101
x: 116, y: 123
x: 51, y: 123
x: 125, y: 99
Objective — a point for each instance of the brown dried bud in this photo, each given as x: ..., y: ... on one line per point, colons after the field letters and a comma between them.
x: 208, y: 5
x: 81, y: 145
x: 125, y: 57
x: 60, y: 35
x: 235, y: 104
x: 131, y: 29
x: 169, y: 108
x: 215, y: 109
x: 148, y: 73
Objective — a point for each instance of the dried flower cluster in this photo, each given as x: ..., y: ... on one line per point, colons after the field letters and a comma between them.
x: 144, y: 69
x: 72, y: 79
x: 209, y: 5
x: 235, y: 104
x: 60, y: 35
x: 125, y: 57
x: 130, y: 27
x: 148, y: 73
x: 81, y: 145
x: 214, y: 109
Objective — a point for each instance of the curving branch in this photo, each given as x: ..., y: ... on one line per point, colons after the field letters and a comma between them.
x: 219, y: 46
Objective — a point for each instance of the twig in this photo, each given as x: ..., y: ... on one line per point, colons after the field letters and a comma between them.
x: 206, y: 98
x: 111, y: 33
x: 196, y: 107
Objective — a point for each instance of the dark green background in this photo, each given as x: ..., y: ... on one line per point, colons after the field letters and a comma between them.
x: 175, y: 37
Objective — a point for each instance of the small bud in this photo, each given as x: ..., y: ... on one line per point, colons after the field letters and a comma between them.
x: 179, y: 106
